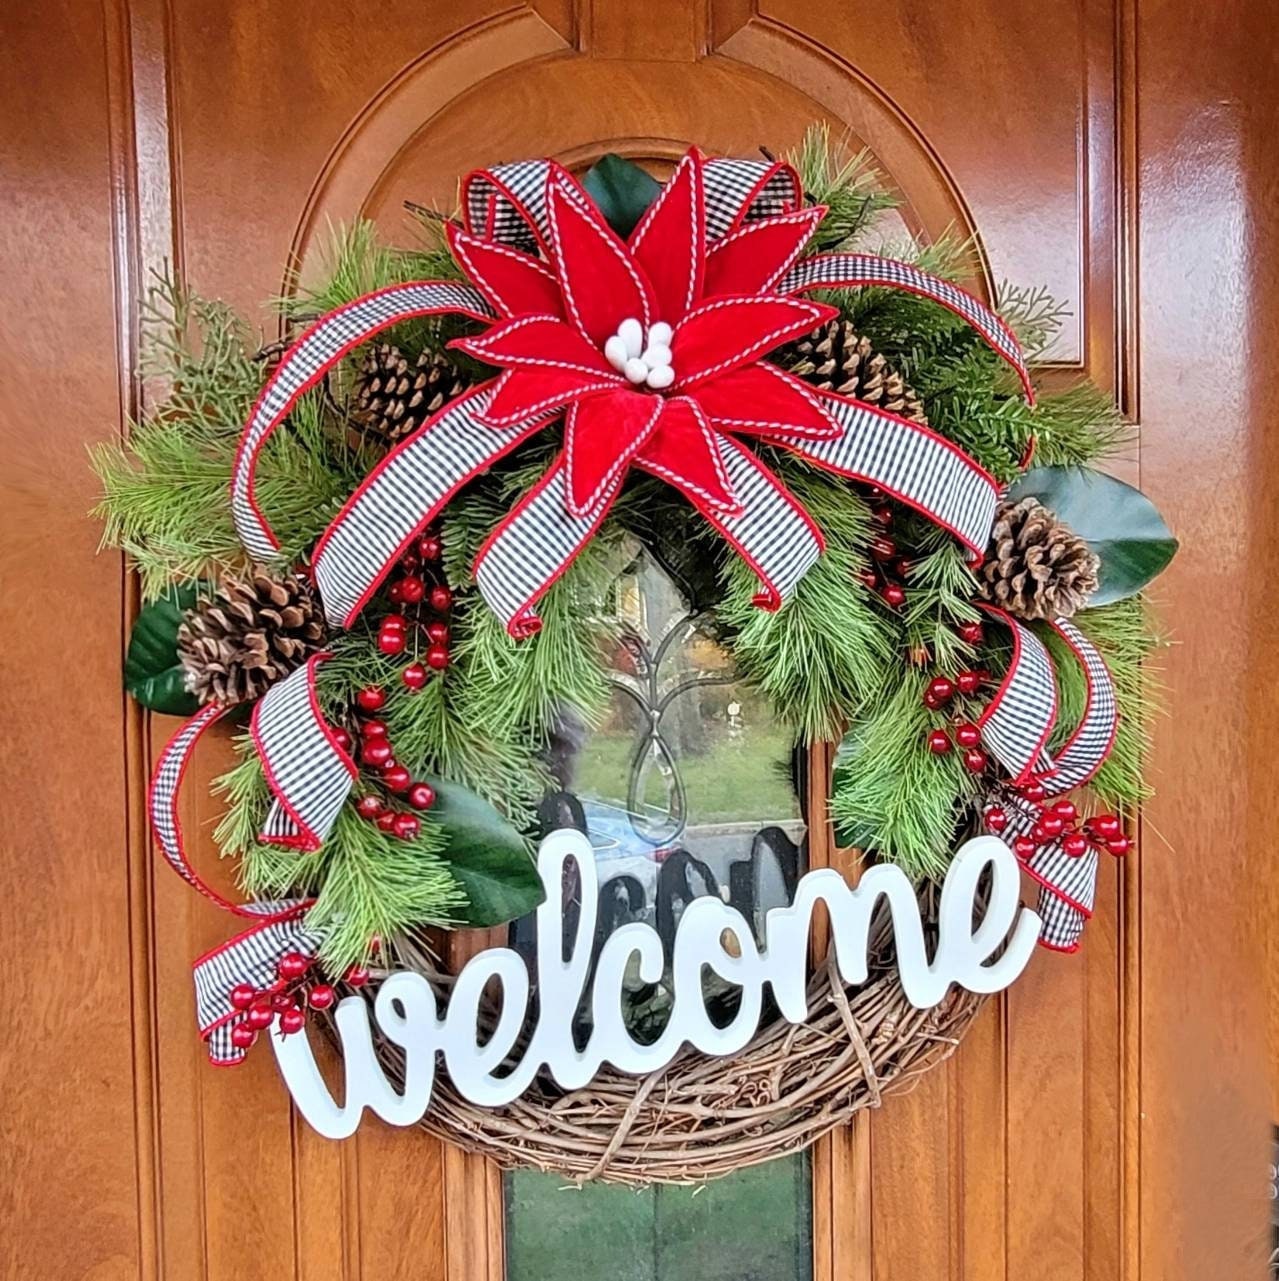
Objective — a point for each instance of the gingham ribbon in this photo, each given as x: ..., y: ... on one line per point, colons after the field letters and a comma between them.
x: 1068, y: 885
x: 309, y: 774
x: 1020, y: 717
x: 842, y: 271
x: 250, y: 957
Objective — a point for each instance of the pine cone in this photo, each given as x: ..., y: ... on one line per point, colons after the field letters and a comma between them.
x: 235, y: 646
x: 1037, y: 567
x: 835, y: 358
x: 395, y: 395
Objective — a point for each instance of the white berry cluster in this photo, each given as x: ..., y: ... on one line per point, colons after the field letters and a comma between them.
x: 643, y: 358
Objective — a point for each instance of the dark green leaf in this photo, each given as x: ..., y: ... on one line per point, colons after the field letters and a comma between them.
x: 622, y: 190
x: 487, y: 856
x: 1119, y: 523
x: 152, y: 673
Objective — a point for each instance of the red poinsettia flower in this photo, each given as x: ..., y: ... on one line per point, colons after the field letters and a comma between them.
x: 654, y: 345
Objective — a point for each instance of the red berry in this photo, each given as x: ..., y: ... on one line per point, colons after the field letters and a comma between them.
x: 968, y: 736
x: 293, y: 965
x: 1065, y: 811
x: 371, y: 697
x: 243, y: 995
x: 1023, y: 847
x: 1052, y: 824
x: 903, y: 567
x: 406, y: 827
x: 968, y: 682
x: 421, y: 796
x: 243, y: 1036
x: 397, y: 778
x: 1106, y: 826
x: 369, y: 806
x: 1038, y: 835
x: 1076, y: 844
x: 322, y: 996
x: 894, y: 595
x: 1033, y: 792
x: 385, y: 820
x: 281, y: 1001
x: 392, y: 642
x: 414, y: 675
x: 437, y: 657
x: 941, y: 689
x: 882, y: 514
x: 429, y: 547
x: 357, y: 976
x: 867, y: 578
x: 971, y: 633
x: 882, y: 547
x: 438, y: 633
x: 938, y: 742
x: 996, y: 819
x: 931, y: 702
x: 396, y: 593
x: 342, y: 739
x: 412, y: 589
x: 260, y: 1016
x: 974, y: 760
x: 1119, y: 845
x: 394, y: 623
x: 292, y: 1020
x: 376, y: 752
x: 374, y: 729
x: 410, y: 561
x: 441, y: 598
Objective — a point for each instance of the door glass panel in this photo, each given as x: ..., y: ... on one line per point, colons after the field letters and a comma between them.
x: 687, y: 788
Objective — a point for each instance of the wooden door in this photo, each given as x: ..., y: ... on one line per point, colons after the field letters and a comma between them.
x: 1108, y: 1118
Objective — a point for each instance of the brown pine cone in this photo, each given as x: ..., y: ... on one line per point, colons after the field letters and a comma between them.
x: 250, y: 635
x: 835, y: 358
x: 1037, y: 566
x: 395, y: 394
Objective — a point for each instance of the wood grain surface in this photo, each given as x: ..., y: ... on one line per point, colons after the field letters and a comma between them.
x: 1109, y: 1118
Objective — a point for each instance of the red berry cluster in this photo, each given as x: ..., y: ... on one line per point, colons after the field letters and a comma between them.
x: 1059, y: 821
x: 376, y: 752
x: 398, y: 633
x: 289, y: 998
x: 888, y: 572
x: 939, y: 693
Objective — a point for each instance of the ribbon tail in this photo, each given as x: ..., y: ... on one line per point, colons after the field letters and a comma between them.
x: 908, y: 461
x: 310, y: 776
x: 533, y: 547
x: 402, y: 493
x: 1018, y: 720
x: 252, y: 958
x: 843, y: 271
x: 316, y: 352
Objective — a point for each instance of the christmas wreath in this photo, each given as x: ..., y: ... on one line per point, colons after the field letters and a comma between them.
x: 389, y: 536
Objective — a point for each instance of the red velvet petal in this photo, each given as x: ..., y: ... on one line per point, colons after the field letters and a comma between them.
x: 670, y: 241
x: 522, y: 394
x: 762, y: 400
x: 601, y: 436
x: 599, y: 280
x: 515, y: 283
x: 726, y: 333
x: 754, y: 259
x: 684, y: 453
x: 536, y: 342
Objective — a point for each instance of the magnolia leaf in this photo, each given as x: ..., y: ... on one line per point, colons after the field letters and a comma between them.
x: 1118, y: 522
x: 622, y: 190
x: 152, y: 673
x: 488, y: 858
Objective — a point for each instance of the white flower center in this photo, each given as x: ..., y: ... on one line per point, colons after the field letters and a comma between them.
x: 644, y: 358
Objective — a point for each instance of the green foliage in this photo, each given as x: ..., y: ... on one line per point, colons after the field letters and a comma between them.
x: 152, y: 671
x: 622, y: 190
x: 851, y: 189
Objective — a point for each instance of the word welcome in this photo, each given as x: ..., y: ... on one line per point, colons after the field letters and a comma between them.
x: 405, y: 1006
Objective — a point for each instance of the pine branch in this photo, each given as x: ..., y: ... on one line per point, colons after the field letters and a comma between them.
x: 850, y: 189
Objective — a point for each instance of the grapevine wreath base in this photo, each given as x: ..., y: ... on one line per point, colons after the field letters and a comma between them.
x: 396, y: 540
x: 703, y: 1117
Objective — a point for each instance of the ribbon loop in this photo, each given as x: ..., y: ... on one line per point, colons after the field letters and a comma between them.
x: 1018, y: 720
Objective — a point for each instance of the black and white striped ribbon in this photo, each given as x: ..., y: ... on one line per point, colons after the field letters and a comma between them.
x: 1018, y: 720
x: 839, y: 271
x: 310, y: 776
x: 508, y: 202
x: 402, y: 494
x: 910, y: 462
x: 252, y: 958
x: 1068, y: 884
x: 309, y: 359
